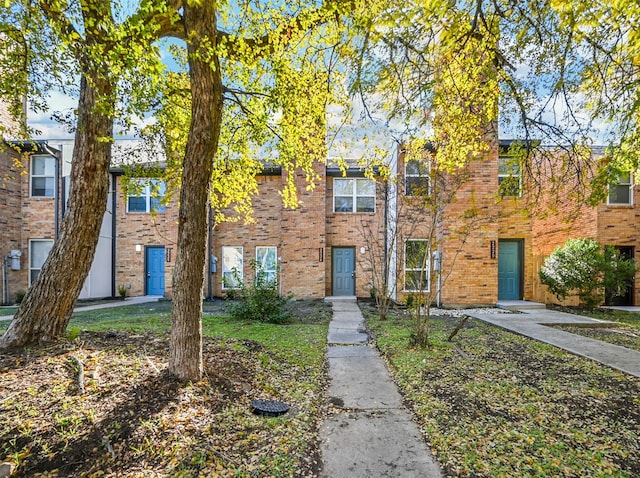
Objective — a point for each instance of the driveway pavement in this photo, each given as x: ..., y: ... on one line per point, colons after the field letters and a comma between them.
x: 534, y: 323
x: 143, y: 299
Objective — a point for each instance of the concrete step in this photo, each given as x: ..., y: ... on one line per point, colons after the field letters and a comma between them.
x: 520, y: 305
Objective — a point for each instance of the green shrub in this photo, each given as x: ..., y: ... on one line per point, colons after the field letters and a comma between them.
x: 260, y: 301
x: 583, y: 268
x: 20, y: 296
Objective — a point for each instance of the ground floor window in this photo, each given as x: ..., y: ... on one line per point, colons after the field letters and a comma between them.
x: 267, y: 263
x: 232, y: 267
x: 38, y: 252
x: 416, y: 265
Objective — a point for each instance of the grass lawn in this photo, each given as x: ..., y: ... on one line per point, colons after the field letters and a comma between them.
x: 494, y: 404
x: 625, y: 334
x: 133, y: 419
x: 632, y: 319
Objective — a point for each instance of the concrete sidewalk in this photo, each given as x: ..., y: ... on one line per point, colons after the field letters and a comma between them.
x: 371, y: 434
x: 531, y: 323
x: 142, y: 299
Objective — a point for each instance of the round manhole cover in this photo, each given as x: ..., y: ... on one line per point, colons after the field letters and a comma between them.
x: 270, y: 408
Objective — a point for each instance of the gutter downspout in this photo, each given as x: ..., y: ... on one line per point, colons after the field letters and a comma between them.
x: 439, y: 291
x: 386, y: 237
x: 210, y: 265
x: 113, y: 234
x: 5, y: 280
x: 57, y: 197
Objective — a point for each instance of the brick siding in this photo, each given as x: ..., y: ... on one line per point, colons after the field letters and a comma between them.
x: 11, y: 219
x: 306, y: 236
x: 140, y: 230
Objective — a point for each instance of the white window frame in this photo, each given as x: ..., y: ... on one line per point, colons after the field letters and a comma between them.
x: 427, y: 270
x: 628, y: 182
x: 271, y: 270
x: 229, y: 269
x: 515, y: 172
x: 36, y: 267
x: 152, y: 190
x: 354, y: 194
x: 420, y: 174
x: 45, y: 176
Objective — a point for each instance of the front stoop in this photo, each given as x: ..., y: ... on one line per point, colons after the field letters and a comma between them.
x: 519, y: 305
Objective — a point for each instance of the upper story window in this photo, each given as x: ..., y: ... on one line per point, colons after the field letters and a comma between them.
x: 267, y: 263
x: 43, y: 169
x: 146, y: 195
x: 232, y: 267
x: 621, y: 192
x: 38, y: 251
x: 509, y: 176
x: 416, y: 178
x: 354, y: 195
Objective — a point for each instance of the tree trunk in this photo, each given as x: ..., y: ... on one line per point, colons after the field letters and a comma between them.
x: 185, y: 355
x: 49, y: 302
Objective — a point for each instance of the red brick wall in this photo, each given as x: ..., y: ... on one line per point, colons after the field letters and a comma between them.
x: 350, y: 230
x: 144, y: 230
x: 11, y: 218
x: 38, y: 219
x: 553, y: 231
x: 298, y: 234
x: 514, y: 222
x: 610, y: 225
x: 473, y: 277
x: 620, y: 226
x: 304, y: 240
x: 556, y: 219
x: 469, y: 273
x: 9, y: 127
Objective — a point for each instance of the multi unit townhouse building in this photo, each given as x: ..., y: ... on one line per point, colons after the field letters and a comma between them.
x: 487, y: 247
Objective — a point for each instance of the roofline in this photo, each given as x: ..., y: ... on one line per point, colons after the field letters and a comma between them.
x: 266, y: 171
x: 33, y: 146
x: 349, y: 172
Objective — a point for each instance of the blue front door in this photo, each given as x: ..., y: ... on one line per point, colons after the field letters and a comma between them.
x: 343, y: 261
x: 154, y: 264
x: 508, y: 270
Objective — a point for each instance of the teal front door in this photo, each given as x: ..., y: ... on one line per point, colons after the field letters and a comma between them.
x: 509, y: 270
x: 154, y: 265
x: 344, y: 271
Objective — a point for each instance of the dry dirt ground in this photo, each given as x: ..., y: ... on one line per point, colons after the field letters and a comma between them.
x: 133, y: 419
x: 497, y: 404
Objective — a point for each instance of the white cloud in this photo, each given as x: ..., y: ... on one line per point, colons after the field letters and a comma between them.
x: 43, y: 121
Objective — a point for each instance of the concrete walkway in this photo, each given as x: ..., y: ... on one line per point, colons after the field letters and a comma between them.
x: 371, y: 434
x: 142, y: 299
x: 531, y: 323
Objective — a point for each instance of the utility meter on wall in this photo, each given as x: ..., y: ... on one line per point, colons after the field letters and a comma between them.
x: 15, y: 259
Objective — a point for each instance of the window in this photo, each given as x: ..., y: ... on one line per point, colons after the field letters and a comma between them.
x: 416, y: 265
x: 509, y: 177
x: 354, y: 195
x: 43, y: 176
x: 38, y: 252
x: 267, y: 263
x: 232, y: 267
x: 416, y: 178
x: 622, y: 191
x: 146, y: 195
